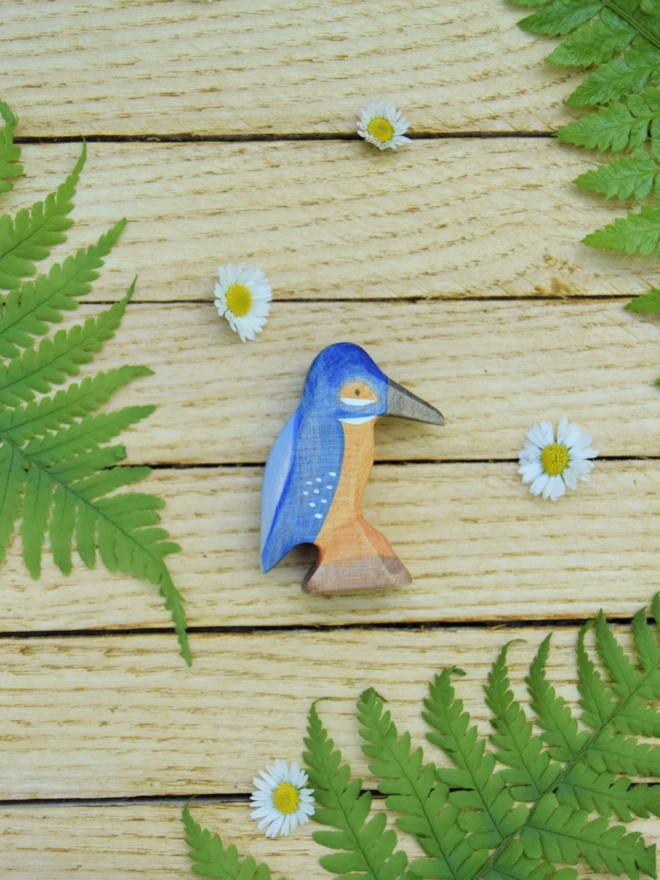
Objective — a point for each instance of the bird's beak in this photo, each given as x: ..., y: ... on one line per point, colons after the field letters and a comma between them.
x: 407, y: 405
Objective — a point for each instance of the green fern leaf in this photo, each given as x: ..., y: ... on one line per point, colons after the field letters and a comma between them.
x: 531, y: 772
x: 210, y: 858
x: 625, y: 75
x: 648, y: 648
x: 633, y: 176
x: 413, y: 791
x: 562, y: 835
x: 488, y: 810
x: 586, y: 789
x: 55, y: 466
x: 367, y: 848
x: 623, y: 754
x: 614, y: 128
x: 59, y: 357
x: 51, y: 413
x: 559, y: 728
x: 647, y: 303
x: 29, y: 309
x: 12, y: 475
x: 637, y: 233
x: 32, y: 234
x: 594, y: 42
x: 10, y: 152
x: 561, y: 16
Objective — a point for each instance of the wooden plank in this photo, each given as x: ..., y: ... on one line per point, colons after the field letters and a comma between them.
x: 493, y: 369
x: 441, y: 219
x: 241, y: 67
x: 473, y: 538
x: 123, y: 716
x: 146, y: 840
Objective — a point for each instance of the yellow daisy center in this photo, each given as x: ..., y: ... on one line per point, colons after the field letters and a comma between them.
x: 554, y: 459
x: 286, y: 798
x: 381, y: 128
x: 239, y: 300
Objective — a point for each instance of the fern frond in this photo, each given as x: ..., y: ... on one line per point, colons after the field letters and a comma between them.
x: 594, y: 42
x: 588, y: 790
x: 562, y: 834
x: 32, y: 234
x: 210, y: 858
x: 532, y: 772
x: 621, y: 39
x: 28, y: 310
x: 57, y: 358
x: 12, y: 475
x: 559, y: 728
x: 487, y: 805
x: 51, y: 413
x: 10, y: 152
x: 55, y: 464
x: 616, y: 127
x: 631, y: 177
x: 413, y: 791
x: 366, y: 848
x: 561, y: 17
x: 637, y: 233
x: 625, y: 75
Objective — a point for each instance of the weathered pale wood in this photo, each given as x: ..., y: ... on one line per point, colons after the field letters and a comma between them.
x: 478, y: 546
x: 241, y: 67
x: 440, y: 219
x: 121, y: 716
x: 493, y: 369
x: 147, y: 841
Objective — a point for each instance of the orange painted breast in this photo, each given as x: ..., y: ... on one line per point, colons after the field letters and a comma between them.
x: 345, y: 534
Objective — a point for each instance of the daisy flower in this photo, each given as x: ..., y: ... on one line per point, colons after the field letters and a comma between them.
x: 551, y: 465
x: 282, y: 802
x: 243, y: 297
x: 382, y: 125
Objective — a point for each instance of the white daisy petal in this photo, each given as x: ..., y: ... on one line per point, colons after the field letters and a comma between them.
x: 539, y: 484
x: 551, y: 470
x: 380, y: 123
x: 281, y: 801
x: 536, y: 436
x: 243, y: 296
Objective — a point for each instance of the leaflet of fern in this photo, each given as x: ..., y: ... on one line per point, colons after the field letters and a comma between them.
x: 57, y: 473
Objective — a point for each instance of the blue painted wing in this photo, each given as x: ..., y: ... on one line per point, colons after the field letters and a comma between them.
x: 300, y: 481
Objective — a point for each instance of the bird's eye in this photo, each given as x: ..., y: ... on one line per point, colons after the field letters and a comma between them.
x: 357, y: 392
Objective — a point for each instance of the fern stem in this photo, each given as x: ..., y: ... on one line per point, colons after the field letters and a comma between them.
x: 565, y: 773
x: 633, y: 22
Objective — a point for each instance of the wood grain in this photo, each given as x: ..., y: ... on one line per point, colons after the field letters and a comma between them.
x: 122, y: 716
x: 493, y: 369
x: 478, y: 546
x: 146, y: 840
x: 237, y: 67
x: 441, y: 219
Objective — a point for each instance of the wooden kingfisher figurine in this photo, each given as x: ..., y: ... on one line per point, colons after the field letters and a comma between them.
x: 319, y: 466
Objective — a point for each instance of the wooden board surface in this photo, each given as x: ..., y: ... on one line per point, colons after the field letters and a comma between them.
x: 131, y: 841
x: 119, y: 717
x: 473, y: 537
x: 457, y: 262
x: 492, y: 368
x: 246, y: 68
x: 448, y: 218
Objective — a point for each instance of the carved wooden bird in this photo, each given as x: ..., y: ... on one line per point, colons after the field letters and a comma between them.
x: 319, y: 466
